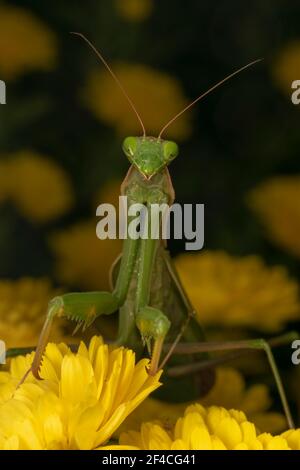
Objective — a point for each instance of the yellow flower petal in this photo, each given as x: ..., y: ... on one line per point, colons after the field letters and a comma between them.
x: 208, y: 428
x: 81, y: 401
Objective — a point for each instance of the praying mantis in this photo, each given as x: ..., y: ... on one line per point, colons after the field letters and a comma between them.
x: 153, y: 306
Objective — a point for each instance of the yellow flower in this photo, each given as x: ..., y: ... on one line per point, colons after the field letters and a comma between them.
x: 134, y: 10
x: 229, y: 391
x: 240, y: 291
x: 82, y: 260
x: 276, y: 202
x: 23, y: 307
x: 37, y: 185
x: 213, y: 428
x: 81, y: 400
x: 286, y: 68
x: 292, y: 436
x: 25, y: 43
x: 155, y: 94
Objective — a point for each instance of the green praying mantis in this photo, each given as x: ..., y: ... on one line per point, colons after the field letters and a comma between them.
x: 153, y: 306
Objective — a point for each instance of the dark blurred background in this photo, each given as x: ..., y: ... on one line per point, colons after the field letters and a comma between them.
x: 246, y: 131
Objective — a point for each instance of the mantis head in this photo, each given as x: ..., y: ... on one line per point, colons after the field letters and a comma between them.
x: 149, y: 154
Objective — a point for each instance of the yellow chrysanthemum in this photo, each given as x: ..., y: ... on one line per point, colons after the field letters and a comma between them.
x: 150, y: 90
x: 37, y: 185
x: 25, y: 43
x: 286, y: 68
x: 276, y: 202
x: 82, y: 260
x: 23, y: 307
x: 213, y: 428
x: 134, y: 10
x: 240, y: 291
x: 80, y: 402
x: 229, y: 391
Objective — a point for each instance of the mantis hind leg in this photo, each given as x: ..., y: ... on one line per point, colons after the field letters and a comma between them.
x: 250, y: 345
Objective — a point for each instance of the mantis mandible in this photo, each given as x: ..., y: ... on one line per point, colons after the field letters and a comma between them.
x: 146, y: 290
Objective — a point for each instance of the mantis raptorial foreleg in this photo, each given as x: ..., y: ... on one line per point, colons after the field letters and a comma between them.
x: 152, y: 323
x: 84, y: 307
x: 80, y: 307
x: 251, y: 344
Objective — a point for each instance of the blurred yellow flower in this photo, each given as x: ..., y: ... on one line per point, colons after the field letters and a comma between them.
x: 23, y: 307
x: 156, y: 95
x: 239, y: 291
x: 82, y: 260
x: 276, y: 202
x: 36, y: 185
x: 229, y: 391
x: 286, y: 68
x: 134, y: 10
x: 80, y: 402
x: 25, y: 43
x: 213, y: 428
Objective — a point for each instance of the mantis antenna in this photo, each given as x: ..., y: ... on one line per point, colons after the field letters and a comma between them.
x: 114, y: 77
x: 206, y: 93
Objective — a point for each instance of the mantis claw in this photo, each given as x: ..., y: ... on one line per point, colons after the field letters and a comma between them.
x: 153, y: 324
x: 77, y: 328
x: 156, y: 353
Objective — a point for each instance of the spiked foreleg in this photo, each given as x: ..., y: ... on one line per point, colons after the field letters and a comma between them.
x: 80, y: 307
x: 152, y: 323
x: 84, y: 307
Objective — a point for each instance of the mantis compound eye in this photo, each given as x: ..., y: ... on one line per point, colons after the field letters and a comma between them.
x: 129, y: 146
x: 170, y: 150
